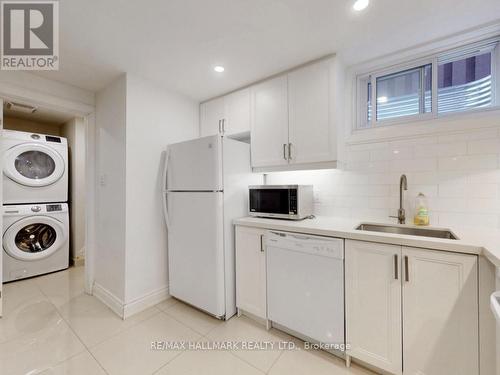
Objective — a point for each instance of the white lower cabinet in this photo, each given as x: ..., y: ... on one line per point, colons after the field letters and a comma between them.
x: 440, y: 313
x: 412, y: 311
x: 373, y: 304
x: 251, y: 271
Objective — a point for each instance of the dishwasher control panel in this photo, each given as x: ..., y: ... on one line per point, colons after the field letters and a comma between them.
x: 304, y: 243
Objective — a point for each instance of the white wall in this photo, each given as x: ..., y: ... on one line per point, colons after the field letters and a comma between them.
x: 110, y: 232
x: 74, y: 131
x: 43, y: 90
x: 135, y: 121
x: 155, y: 118
x: 25, y: 125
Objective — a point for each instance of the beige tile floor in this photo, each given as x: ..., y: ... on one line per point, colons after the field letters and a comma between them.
x: 51, y: 327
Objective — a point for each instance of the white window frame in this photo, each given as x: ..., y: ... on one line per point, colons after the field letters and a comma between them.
x: 362, y: 124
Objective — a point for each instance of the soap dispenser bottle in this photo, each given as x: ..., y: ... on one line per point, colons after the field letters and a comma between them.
x: 421, y: 210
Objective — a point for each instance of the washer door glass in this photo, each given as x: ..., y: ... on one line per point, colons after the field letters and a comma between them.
x: 35, y: 164
x: 35, y: 238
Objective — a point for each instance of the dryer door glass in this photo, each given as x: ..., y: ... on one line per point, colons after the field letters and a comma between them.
x: 35, y: 164
x: 35, y: 238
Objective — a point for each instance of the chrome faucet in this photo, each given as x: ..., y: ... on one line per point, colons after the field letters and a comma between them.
x: 403, y: 185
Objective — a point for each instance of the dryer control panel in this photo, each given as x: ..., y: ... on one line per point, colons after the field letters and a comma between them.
x: 54, y: 207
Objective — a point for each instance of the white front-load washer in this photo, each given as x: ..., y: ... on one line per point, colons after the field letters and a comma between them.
x: 35, y: 168
x: 35, y: 239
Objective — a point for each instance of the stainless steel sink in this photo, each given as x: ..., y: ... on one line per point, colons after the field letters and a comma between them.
x: 412, y: 231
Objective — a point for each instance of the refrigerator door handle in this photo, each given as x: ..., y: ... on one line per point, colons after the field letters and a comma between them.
x: 165, y: 209
x: 165, y: 169
x: 164, y: 189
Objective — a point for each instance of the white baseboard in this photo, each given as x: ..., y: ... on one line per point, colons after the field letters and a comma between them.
x: 109, y: 299
x: 125, y: 310
x: 145, y: 302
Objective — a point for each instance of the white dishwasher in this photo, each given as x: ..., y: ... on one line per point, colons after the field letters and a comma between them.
x: 305, y: 285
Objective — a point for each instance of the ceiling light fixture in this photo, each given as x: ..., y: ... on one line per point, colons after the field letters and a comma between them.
x: 382, y: 99
x: 219, y: 69
x: 359, y: 5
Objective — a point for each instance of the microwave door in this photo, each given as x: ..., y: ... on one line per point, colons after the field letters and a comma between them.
x: 270, y: 201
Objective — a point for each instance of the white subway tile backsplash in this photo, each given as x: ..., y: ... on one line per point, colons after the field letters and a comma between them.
x: 413, y: 165
x: 458, y: 173
x: 480, y: 205
x: 368, y: 146
x: 371, y: 166
x: 470, y: 162
x: 423, y: 178
x: 440, y: 149
x: 470, y: 135
x: 452, y: 205
x: 452, y: 190
x: 468, y: 220
x: 482, y: 191
x: 359, y: 155
x: 484, y: 146
x: 392, y: 153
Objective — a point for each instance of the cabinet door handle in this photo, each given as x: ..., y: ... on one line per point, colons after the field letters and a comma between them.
x: 407, y: 271
x: 284, y: 151
x: 219, y: 128
x: 289, y: 151
x: 223, y: 125
x: 396, y: 266
x: 261, y: 243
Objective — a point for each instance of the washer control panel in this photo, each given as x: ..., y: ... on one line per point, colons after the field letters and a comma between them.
x: 54, y: 207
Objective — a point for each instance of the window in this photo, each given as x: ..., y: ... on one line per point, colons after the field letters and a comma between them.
x: 455, y: 81
x: 404, y: 93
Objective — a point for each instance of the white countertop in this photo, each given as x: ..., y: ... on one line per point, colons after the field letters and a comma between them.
x: 471, y: 240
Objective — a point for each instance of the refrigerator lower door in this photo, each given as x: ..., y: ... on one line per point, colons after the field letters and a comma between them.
x: 195, y: 165
x: 196, y: 250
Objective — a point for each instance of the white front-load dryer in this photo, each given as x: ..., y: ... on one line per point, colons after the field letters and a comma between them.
x: 35, y: 239
x: 35, y: 168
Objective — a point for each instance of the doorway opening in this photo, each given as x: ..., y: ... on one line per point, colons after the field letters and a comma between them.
x: 61, y: 139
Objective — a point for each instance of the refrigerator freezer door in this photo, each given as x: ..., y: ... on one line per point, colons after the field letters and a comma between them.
x: 196, y: 250
x: 195, y: 165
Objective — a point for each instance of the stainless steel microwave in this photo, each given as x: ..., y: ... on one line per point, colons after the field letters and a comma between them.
x: 294, y: 202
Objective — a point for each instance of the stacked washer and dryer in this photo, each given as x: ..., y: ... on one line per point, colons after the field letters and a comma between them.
x: 35, y: 209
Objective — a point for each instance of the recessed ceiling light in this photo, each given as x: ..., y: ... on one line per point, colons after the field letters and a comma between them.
x: 360, y: 4
x: 219, y: 69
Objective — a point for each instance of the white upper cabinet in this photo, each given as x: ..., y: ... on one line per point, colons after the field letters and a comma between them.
x: 269, y: 123
x: 440, y: 309
x: 294, y: 118
x: 237, y: 112
x: 227, y: 115
x: 311, y: 133
x: 211, y: 115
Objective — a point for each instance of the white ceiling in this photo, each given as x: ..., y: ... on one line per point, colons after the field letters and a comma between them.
x: 176, y: 43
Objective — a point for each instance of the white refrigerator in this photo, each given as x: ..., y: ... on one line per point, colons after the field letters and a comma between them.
x: 205, y: 187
